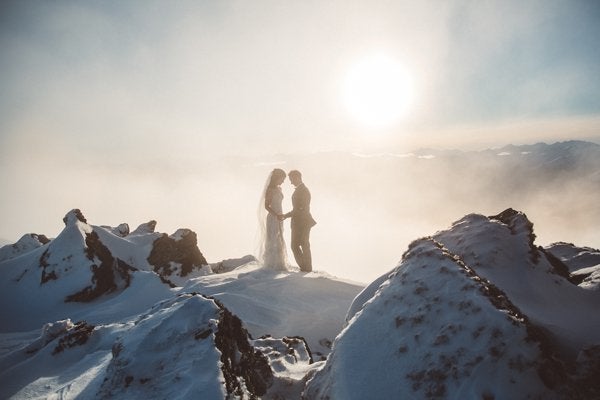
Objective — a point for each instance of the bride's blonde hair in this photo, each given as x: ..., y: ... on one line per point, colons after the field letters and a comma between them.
x: 276, y: 174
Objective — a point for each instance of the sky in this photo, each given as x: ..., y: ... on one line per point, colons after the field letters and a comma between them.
x: 134, y: 110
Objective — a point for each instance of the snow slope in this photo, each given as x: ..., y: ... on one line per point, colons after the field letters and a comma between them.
x: 277, y: 303
x: 59, y: 279
x: 475, y: 311
x: 186, y: 347
x: 145, y: 327
x: 27, y: 243
x: 583, y: 263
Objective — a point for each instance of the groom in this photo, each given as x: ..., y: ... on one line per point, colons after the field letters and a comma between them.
x: 302, y: 222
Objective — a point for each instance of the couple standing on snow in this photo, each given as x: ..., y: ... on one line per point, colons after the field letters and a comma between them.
x: 273, y: 252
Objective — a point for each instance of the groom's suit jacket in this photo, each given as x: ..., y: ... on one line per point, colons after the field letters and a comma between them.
x: 301, y: 217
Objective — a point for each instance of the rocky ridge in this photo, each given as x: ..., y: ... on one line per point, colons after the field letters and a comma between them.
x: 478, y: 299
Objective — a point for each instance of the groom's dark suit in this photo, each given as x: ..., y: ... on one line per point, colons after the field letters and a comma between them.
x: 302, y: 222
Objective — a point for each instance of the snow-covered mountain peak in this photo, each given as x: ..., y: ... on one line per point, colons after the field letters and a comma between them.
x: 121, y: 230
x: 516, y: 221
x: 92, y: 263
x: 145, y: 228
x: 507, y: 234
x: 187, y: 346
x: 430, y: 329
x: 31, y: 241
x: 186, y: 337
x: 25, y: 244
x: 478, y: 299
x: 473, y: 311
x: 74, y: 216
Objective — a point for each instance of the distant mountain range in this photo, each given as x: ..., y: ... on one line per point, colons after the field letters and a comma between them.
x: 477, y: 310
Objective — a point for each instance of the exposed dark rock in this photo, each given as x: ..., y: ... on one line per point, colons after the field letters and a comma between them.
x: 122, y: 230
x: 107, y: 277
x: 43, y: 239
x: 25, y: 244
x: 560, y: 268
x: 240, y: 359
x: 516, y: 222
x: 46, y: 276
x: 295, y: 347
x: 74, y: 214
x: 180, y: 249
x: 75, y: 336
x: 50, y: 331
x: 246, y: 371
x: 294, y: 341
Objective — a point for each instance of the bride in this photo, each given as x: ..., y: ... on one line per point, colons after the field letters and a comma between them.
x: 272, y: 252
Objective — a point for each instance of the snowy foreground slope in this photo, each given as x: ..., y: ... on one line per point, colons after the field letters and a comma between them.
x: 103, y: 312
x: 473, y: 312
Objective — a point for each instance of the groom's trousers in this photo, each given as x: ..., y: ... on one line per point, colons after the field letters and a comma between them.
x: 300, y: 245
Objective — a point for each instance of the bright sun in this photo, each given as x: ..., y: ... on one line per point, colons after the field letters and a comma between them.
x: 377, y: 91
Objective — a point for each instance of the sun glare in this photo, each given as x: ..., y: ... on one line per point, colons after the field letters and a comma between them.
x: 377, y: 91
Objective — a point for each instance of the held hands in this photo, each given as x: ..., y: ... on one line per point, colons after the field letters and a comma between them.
x: 281, y: 217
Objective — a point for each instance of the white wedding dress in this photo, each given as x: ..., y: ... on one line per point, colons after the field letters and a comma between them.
x: 273, y: 251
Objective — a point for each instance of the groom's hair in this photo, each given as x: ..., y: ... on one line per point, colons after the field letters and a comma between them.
x: 295, y: 172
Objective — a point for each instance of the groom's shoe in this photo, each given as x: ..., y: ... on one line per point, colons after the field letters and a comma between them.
x: 307, y: 268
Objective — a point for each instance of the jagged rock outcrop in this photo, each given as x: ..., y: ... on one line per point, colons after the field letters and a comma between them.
x: 180, y: 340
x: 189, y: 346
x: 171, y: 256
x: 475, y: 311
x: 176, y: 255
x: 518, y: 224
x: 25, y: 244
x: 121, y: 230
x: 108, y: 273
x: 73, y: 216
x: 145, y: 228
x: 79, y: 253
x: 88, y: 262
x: 239, y: 359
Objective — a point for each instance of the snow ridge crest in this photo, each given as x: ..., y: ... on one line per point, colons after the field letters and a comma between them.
x: 464, y: 304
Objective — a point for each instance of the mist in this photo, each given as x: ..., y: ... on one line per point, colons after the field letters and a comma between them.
x: 368, y: 208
